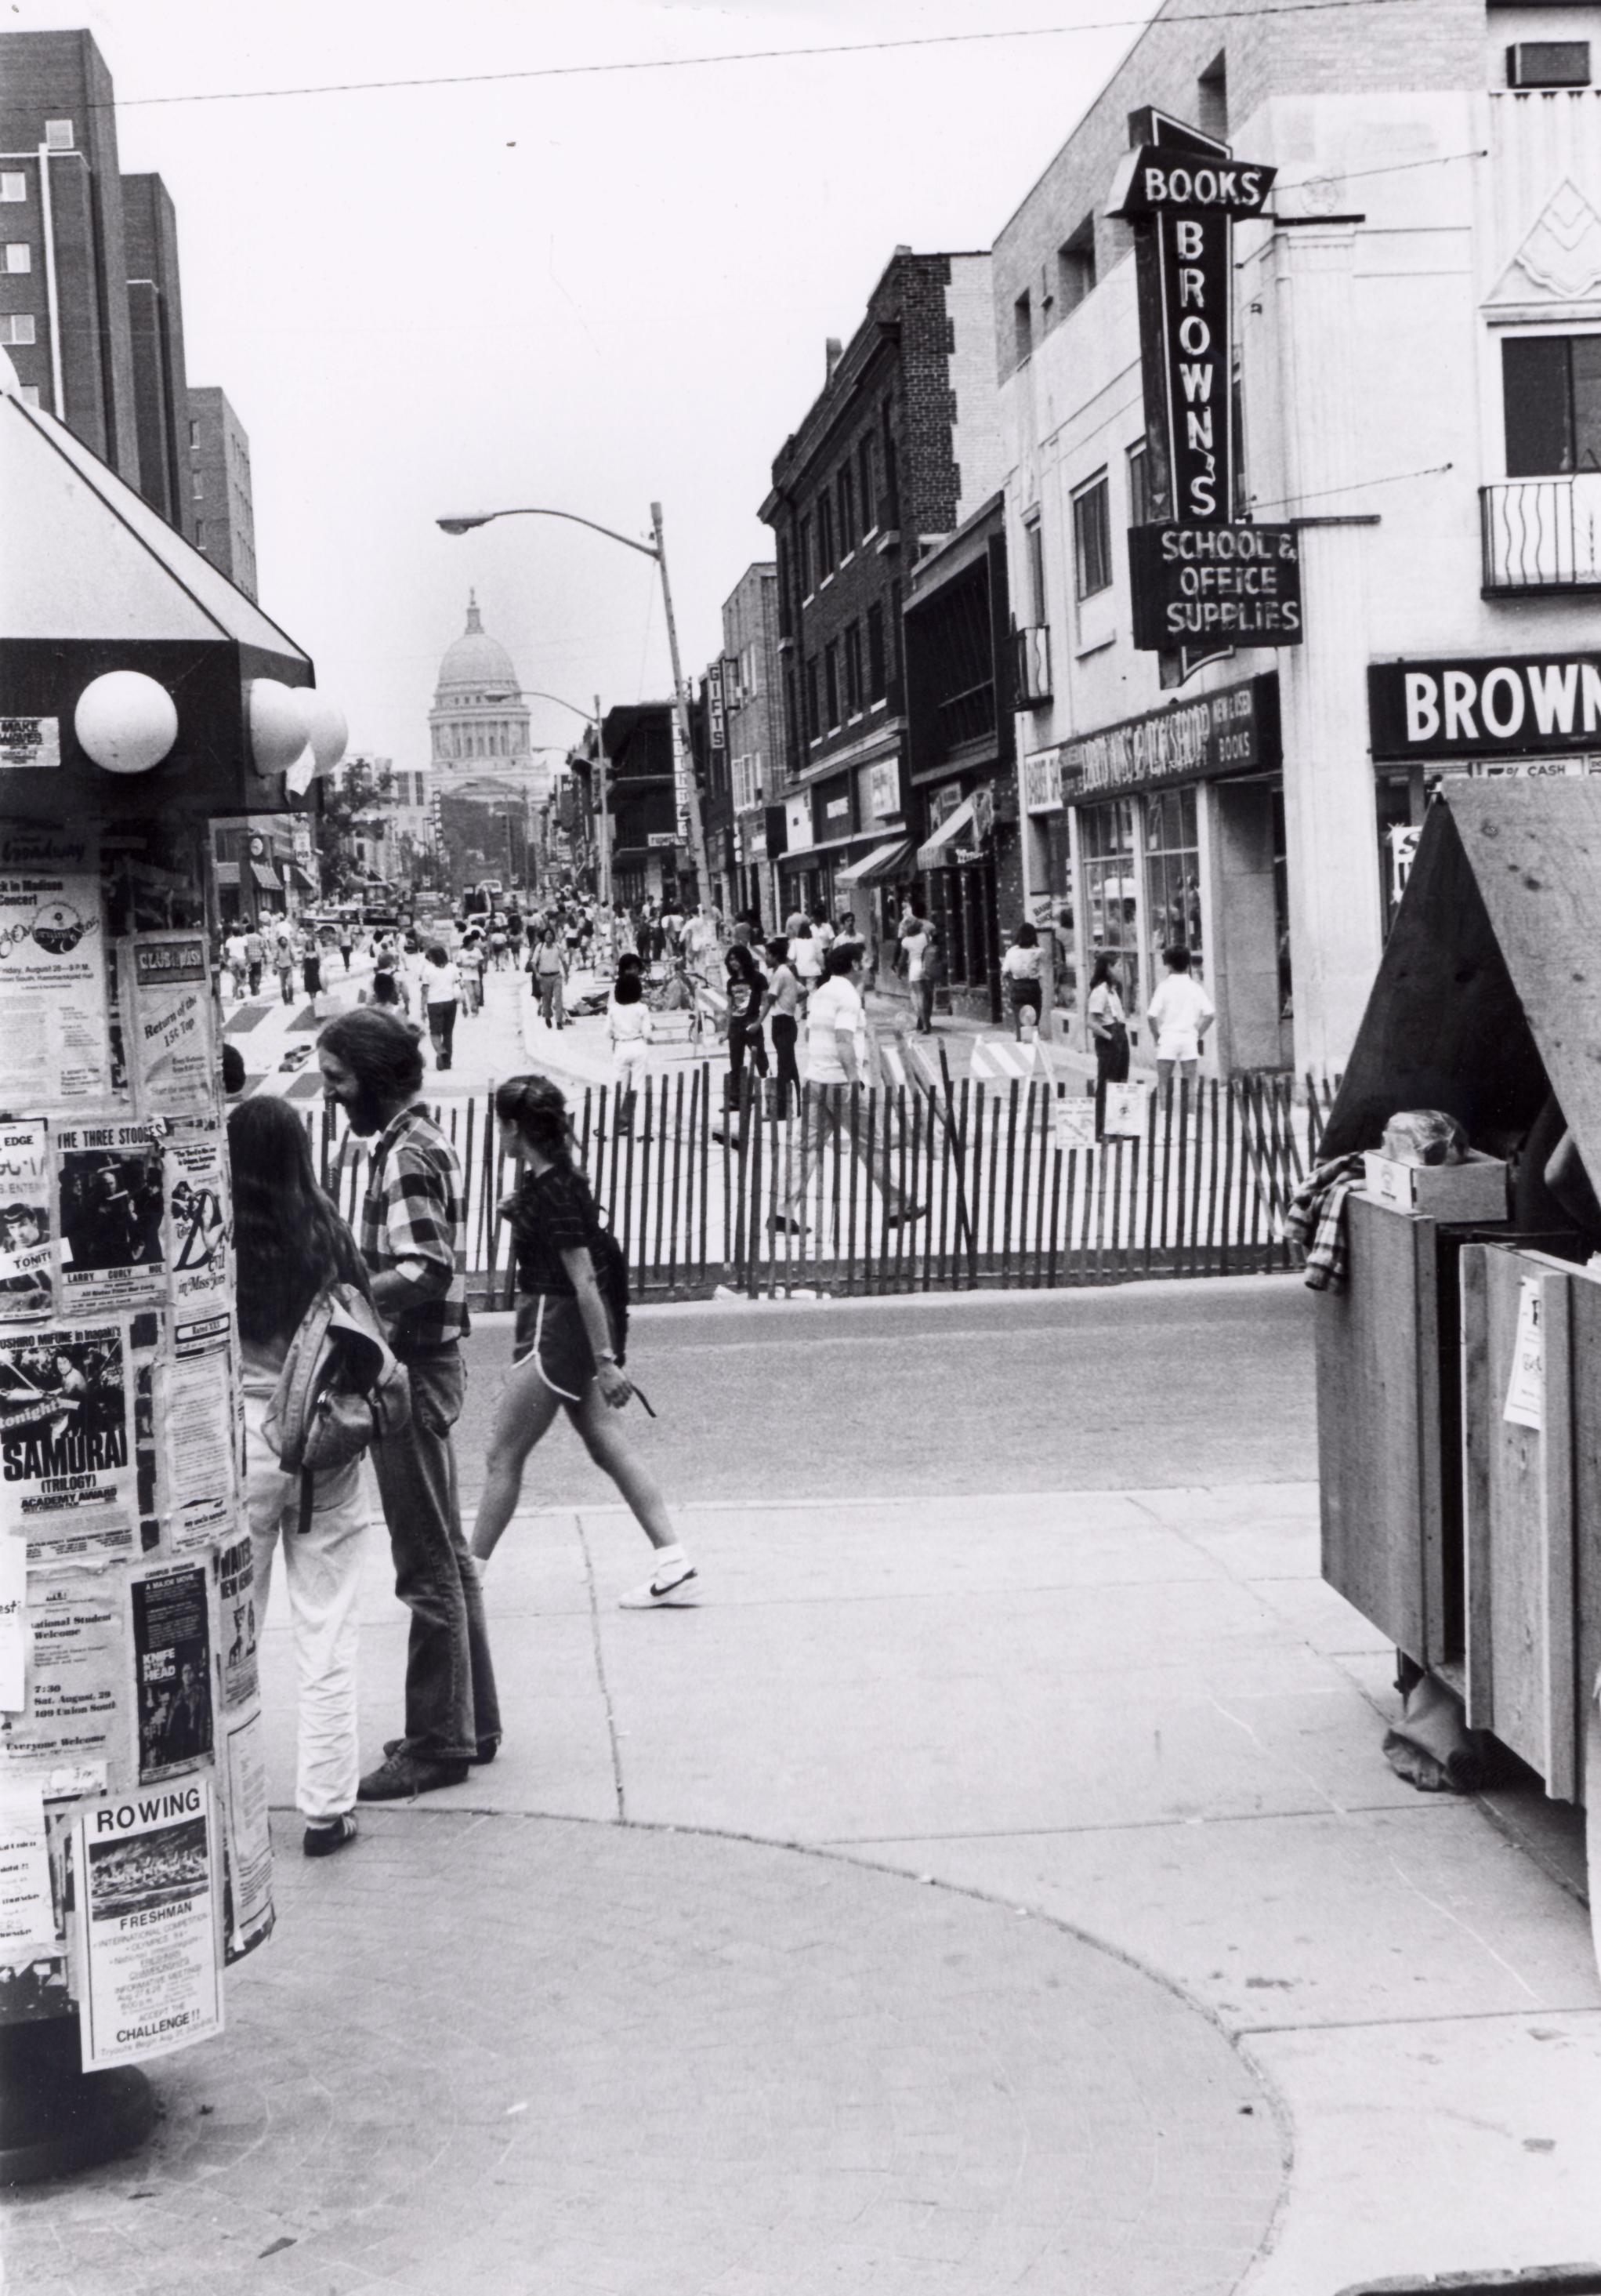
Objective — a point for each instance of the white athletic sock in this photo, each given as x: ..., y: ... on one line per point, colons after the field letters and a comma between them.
x: 669, y: 1557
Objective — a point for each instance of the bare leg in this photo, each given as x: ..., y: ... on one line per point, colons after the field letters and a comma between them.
x: 527, y: 1409
x: 607, y: 1447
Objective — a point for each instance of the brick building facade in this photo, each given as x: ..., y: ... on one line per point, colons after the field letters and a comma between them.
x: 221, y: 504
x: 898, y: 448
x: 754, y: 708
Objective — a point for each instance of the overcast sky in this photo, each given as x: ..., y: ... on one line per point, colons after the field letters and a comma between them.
x: 587, y: 291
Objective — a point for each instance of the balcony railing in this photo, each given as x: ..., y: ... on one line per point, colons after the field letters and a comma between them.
x: 1030, y: 667
x: 966, y: 716
x: 1541, y: 534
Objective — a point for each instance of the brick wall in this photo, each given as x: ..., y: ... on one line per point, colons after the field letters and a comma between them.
x: 156, y: 328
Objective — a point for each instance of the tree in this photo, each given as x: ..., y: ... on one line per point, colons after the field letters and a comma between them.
x: 353, y: 805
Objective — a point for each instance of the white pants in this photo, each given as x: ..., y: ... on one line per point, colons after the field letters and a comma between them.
x: 631, y: 1064
x: 322, y: 1569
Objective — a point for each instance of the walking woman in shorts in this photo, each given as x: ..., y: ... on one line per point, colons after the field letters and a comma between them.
x: 566, y: 1350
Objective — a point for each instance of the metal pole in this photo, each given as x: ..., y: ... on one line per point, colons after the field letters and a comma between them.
x: 605, y: 818
x: 681, y: 696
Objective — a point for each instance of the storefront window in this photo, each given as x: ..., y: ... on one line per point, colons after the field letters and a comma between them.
x: 1107, y: 857
x: 1173, y: 877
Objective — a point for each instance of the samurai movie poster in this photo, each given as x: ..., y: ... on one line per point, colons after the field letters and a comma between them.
x: 66, y: 1473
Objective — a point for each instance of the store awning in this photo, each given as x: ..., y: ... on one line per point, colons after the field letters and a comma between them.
x: 308, y: 884
x: 935, y: 851
x: 266, y: 876
x: 879, y: 862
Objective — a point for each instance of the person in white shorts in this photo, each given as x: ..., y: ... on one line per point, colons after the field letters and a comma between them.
x: 1179, y: 1016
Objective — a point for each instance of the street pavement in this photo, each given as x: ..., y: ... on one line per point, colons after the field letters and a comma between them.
x: 994, y: 1883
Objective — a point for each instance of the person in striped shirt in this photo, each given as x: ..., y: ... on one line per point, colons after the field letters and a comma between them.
x: 413, y: 1228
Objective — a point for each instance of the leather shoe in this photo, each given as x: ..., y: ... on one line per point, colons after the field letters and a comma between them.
x: 405, y: 1774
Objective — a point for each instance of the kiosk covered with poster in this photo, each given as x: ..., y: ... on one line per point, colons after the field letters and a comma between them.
x: 141, y: 695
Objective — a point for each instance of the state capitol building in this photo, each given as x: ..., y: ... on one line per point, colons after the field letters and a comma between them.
x: 486, y: 782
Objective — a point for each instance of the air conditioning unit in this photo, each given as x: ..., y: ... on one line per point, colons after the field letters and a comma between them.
x: 1549, y: 63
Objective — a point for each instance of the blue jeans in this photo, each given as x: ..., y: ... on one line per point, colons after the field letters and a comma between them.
x: 450, y: 1696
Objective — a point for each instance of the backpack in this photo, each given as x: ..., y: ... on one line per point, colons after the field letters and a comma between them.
x: 342, y: 1386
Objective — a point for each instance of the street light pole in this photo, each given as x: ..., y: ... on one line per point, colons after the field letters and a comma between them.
x: 464, y: 521
x: 538, y: 694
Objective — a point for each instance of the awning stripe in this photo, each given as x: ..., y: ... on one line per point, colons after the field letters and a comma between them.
x: 931, y: 852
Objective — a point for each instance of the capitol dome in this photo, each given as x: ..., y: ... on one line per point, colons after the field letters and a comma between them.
x: 476, y: 664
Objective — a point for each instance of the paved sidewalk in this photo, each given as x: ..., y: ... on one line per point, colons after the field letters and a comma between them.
x: 970, y: 1895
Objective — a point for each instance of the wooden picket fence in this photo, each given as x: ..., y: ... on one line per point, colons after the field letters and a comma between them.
x: 704, y: 1199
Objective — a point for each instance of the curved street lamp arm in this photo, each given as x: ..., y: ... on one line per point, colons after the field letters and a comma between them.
x: 482, y: 518
x: 537, y: 693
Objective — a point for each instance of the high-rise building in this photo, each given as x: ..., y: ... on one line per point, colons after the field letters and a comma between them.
x: 218, y: 486
x: 156, y: 326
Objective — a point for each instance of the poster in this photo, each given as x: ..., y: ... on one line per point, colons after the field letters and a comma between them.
x: 13, y: 1623
x: 167, y: 1023
x: 66, y: 1478
x: 28, y: 1921
x: 1525, y: 1405
x: 197, y: 1417
x: 53, y: 969
x: 26, y: 1253
x: 196, y: 1239
x: 1074, y: 1121
x: 111, y: 1187
x: 143, y: 1904
x: 248, y: 1840
x: 172, y: 1669
x: 237, y: 1624
x: 1126, y: 1111
x: 73, y: 1732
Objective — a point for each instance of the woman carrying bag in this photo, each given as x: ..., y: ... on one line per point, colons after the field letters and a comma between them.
x: 1109, y: 1032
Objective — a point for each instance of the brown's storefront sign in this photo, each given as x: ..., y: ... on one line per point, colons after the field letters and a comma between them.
x: 1512, y: 706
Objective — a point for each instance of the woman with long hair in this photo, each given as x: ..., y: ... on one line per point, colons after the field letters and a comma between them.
x: 566, y: 1354
x: 289, y: 1242
x: 1108, y: 1031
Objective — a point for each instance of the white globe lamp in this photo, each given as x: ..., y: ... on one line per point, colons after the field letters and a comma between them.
x: 279, y: 725
x: 125, y: 721
x: 330, y: 733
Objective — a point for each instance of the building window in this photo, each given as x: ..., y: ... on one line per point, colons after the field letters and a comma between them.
x: 1549, y: 63
x: 1212, y: 96
x: 791, y: 725
x: 58, y: 136
x: 808, y: 563
x: 14, y: 187
x: 1033, y: 546
x: 200, y: 486
x: 853, y: 669
x: 19, y: 255
x: 1076, y: 265
x: 867, y: 472
x: 1092, y: 538
x: 17, y: 327
x: 814, y: 719
x: 1173, y: 877
x: 1023, y: 327
x: 876, y: 673
x: 1142, y: 509
x: 1552, y: 386
x: 830, y: 679
x: 825, y: 536
x: 1107, y: 853
x: 194, y: 434
x: 845, y: 490
x: 200, y: 534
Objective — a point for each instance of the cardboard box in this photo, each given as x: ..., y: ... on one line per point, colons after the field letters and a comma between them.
x: 1473, y: 1191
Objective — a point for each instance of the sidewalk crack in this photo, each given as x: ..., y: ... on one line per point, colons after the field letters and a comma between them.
x: 594, y: 1629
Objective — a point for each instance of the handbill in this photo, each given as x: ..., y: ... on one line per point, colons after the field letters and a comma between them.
x: 172, y: 1667
x: 27, y: 1254
x: 111, y: 1180
x: 1075, y: 1115
x: 249, y: 1842
x: 53, y: 969
x: 197, y: 1217
x: 197, y: 1413
x: 236, y: 1623
x: 13, y: 1623
x: 145, y: 1871
x: 27, y: 1906
x: 66, y: 1478
x: 74, y: 1731
x: 167, y: 1019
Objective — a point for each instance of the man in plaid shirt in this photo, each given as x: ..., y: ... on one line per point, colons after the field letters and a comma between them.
x: 413, y: 1238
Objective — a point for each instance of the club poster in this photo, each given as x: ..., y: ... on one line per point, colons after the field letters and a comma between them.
x: 172, y: 1669
x: 144, y: 1874
x: 166, y: 1021
x: 66, y: 1476
x: 112, y: 1192
x: 27, y: 1251
x: 53, y: 969
x: 73, y: 1733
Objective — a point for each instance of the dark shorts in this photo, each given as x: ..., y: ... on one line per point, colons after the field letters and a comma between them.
x: 550, y: 1328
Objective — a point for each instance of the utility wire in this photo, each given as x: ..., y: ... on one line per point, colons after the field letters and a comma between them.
x: 756, y: 55
x: 1353, y: 486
